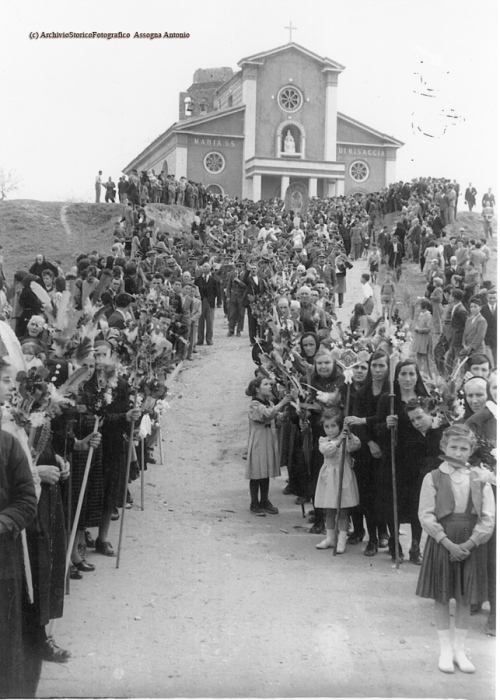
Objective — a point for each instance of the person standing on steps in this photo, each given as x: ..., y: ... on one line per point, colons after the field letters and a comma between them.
x: 263, y: 452
x: 208, y: 294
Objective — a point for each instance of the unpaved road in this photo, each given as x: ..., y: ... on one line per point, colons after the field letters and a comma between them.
x: 211, y: 601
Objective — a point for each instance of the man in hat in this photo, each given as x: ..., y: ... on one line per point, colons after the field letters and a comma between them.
x: 326, y: 271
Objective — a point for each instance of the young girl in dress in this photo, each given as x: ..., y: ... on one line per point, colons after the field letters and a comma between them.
x: 327, y: 488
x: 263, y: 453
x: 457, y: 510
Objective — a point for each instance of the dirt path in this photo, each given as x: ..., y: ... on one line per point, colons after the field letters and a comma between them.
x: 211, y: 601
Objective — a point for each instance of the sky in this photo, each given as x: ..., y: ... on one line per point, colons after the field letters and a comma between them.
x: 71, y: 107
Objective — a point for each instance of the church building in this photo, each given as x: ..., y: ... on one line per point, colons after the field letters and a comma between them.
x: 275, y: 122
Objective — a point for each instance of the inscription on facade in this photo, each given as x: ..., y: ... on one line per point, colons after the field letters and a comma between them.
x: 220, y: 143
x: 349, y: 151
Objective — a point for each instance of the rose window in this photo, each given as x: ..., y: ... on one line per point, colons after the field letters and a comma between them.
x: 290, y: 99
x: 214, y: 162
x: 359, y: 171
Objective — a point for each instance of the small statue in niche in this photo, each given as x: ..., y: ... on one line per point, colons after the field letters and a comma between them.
x: 289, y: 143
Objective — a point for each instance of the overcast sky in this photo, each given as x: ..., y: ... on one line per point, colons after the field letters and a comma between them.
x: 71, y: 107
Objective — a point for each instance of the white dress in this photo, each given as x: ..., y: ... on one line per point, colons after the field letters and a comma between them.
x: 327, y: 488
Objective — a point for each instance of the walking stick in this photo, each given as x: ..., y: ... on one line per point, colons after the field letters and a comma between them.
x: 127, y: 473
x: 80, y: 502
x: 341, y: 477
x: 160, y: 438
x: 393, y: 362
x: 143, y: 457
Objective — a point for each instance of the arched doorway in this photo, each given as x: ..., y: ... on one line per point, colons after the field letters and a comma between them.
x: 215, y: 189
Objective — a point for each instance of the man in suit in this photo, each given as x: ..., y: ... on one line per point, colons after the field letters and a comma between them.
x: 470, y: 196
x: 452, y: 269
x: 326, y: 272
x: 235, y: 291
x: 395, y: 253
x: 458, y: 317
x: 474, y: 330
x: 208, y: 294
x: 255, y: 285
x: 120, y: 315
x: 489, y: 311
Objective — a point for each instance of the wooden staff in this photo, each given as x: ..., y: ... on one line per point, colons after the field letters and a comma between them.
x: 160, y: 439
x: 80, y: 501
x: 127, y: 473
x: 143, y: 466
x: 393, y: 362
x: 341, y: 477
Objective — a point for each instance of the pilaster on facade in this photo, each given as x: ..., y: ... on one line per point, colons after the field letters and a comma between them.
x: 331, y: 88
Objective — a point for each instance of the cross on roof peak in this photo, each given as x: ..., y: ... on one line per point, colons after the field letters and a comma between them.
x: 290, y: 29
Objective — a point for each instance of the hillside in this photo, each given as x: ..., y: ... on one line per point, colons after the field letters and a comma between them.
x: 62, y: 230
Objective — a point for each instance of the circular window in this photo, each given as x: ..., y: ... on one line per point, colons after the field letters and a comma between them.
x: 359, y: 171
x: 289, y: 99
x: 214, y: 162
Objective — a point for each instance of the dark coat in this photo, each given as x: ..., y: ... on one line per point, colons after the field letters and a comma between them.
x: 457, y: 325
x: 491, y: 334
x: 208, y: 289
x: 20, y: 667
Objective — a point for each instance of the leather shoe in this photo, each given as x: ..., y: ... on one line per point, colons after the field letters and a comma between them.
x: 371, y: 549
x: 316, y: 530
x: 74, y: 574
x: 268, y: 507
x: 115, y: 515
x: 105, y: 548
x: 355, y: 537
x: 51, y: 652
x: 383, y: 541
x: 83, y: 565
x: 287, y: 491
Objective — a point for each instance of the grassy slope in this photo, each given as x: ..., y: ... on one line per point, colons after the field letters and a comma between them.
x: 412, y: 283
x: 29, y: 227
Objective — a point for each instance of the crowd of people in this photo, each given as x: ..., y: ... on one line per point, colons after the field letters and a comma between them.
x: 148, y: 188
x: 86, y: 354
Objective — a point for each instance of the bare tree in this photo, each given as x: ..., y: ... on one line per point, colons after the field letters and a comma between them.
x: 10, y: 182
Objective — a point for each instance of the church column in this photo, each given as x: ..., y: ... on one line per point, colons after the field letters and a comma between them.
x: 285, y: 182
x: 331, y: 190
x: 332, y: 80
x: 390, y: 166
x: 313, y: 187
x: 249, y: 99
x: 257, y: 187
x: 340, y: 188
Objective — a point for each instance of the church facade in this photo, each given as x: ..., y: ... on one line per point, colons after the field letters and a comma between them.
x: 252, y: 133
